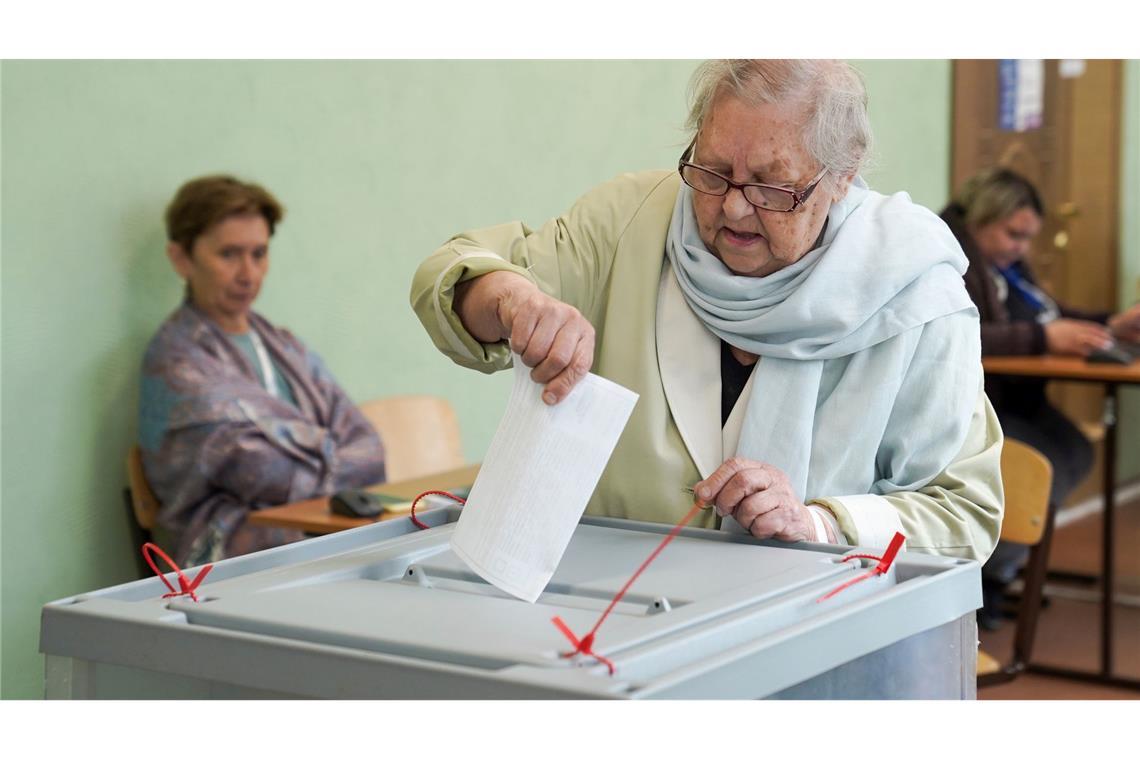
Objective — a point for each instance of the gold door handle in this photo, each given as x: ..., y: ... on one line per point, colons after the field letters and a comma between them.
x: 1068, y: 210
x: 1061, y: 240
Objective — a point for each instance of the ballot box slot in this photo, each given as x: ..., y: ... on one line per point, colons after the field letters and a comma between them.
x: 559, y: 595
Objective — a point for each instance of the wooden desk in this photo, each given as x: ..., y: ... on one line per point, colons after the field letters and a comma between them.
x: 1111, y: 376
x: 1062, y: 368
x: 313, y: 515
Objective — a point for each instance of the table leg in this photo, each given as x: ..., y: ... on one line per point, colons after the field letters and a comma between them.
x: 1108, y: 580
x: 1108, y: 576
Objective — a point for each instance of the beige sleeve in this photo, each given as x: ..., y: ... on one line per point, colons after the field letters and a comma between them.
x: 957, y: 514
x: 568, y: 257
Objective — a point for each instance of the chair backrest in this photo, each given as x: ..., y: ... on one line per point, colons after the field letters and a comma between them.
x: 143, y: 501
x: 420, y: 434
x: 1027, y: 476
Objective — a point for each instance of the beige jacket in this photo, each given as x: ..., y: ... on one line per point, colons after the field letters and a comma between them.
x: 606, y: 257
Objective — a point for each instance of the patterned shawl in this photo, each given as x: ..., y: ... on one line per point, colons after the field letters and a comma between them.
x: 215, y: 444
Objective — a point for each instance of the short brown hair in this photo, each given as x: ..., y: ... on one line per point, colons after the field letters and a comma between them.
x: 203, y: 202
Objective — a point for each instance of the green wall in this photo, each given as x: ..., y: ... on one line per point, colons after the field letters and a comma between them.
x: 377, y: 162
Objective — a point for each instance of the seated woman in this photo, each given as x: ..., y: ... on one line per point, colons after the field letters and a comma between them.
x: 995, y: 216
x: 236, y: 413
x: 803, y: 347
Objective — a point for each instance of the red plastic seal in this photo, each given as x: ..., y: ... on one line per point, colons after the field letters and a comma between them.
x: 187, y: 586
x: 884, y: 561
x: 586, y: 643
x: 420, y: 523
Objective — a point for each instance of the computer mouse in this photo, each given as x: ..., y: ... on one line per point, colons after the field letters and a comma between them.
x: 354, y: 503
x: 1111, y: 355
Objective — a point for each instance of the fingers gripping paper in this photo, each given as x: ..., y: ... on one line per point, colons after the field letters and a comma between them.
x: 540, y: 470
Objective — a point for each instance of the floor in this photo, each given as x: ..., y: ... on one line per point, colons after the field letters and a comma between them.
x: 1068, y: 631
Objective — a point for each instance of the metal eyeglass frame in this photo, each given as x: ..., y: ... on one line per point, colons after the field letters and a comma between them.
x: 799, y: 197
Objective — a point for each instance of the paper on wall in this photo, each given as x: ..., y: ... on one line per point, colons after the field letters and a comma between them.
x: 1071, y: 68
x: 539, y: 472
x: 1021, y: 94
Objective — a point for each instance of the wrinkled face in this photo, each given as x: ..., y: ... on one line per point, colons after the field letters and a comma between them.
x: 759, y: 144
x: 1007, y: 240
x: 225, y: 268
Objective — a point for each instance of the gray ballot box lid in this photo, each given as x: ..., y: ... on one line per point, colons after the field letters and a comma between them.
x: 389, y: 611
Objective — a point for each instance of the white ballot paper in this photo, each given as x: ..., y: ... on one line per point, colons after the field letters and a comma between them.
x: 540, y: 471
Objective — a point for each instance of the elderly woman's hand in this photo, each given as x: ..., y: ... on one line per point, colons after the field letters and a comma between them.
x: 760, y: 498
x: 552, y: 337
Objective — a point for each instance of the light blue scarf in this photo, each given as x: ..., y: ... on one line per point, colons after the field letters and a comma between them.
x: 869, y: 345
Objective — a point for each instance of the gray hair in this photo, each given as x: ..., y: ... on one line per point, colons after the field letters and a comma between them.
x: 836, y: 128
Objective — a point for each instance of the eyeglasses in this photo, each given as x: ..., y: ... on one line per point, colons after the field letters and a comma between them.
x: 767, y: 197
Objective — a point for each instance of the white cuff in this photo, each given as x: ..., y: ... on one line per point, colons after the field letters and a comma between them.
x: 875, y: 519
x: 820, y: 528
x: 823, y: 518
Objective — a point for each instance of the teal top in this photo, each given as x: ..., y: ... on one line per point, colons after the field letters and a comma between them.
x: 244, y: 342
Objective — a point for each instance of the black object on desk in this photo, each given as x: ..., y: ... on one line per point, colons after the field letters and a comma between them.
x: 1110, y: 355
x: 1128, y: 347
x: 357, y: 503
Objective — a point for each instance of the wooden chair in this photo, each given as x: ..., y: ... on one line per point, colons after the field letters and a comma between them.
x: 143, y: 506
x: 1027, y: 476
x: 420, y: 434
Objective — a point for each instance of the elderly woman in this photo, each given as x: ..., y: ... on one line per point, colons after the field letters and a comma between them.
x: 995, y: 215
x: 804, y: 350
x: 235, y: 413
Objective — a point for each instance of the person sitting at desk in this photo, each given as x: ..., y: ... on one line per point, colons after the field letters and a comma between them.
x: 236, y: 413
x: 995, y: 215
x: 805, y: 352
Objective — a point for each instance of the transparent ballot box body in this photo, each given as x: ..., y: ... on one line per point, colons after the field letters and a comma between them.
x: 388, y: 611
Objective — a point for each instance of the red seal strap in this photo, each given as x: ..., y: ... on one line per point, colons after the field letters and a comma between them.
x: 583, y: 646
x: 586, y: 643
x: 884, y: 561
x: 186, y: 587
x: 420, y: 523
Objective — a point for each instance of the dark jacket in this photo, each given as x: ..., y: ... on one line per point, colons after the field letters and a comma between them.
x: 1006, y: 330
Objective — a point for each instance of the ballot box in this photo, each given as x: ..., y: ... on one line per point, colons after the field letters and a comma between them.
x: 387, y: 611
